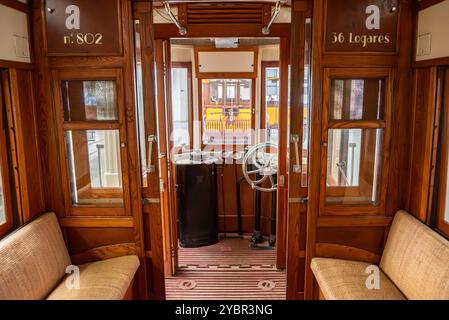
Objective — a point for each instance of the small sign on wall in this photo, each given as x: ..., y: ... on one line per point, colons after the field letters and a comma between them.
x: 83, y: 27
x: 361, y: 25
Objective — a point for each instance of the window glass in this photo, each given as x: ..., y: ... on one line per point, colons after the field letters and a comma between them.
x: 353, y: 166
x: 227, y: 111
x: 93, y: 159
x: 140, y: 103
x: 306, y: 103
x: 356, y: 99
x: 89, y: 100
x: 180, y: 107
x: 272, y: 90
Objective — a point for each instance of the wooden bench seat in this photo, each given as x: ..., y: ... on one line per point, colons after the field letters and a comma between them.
x: 33, y: 262
x: 414, y: 265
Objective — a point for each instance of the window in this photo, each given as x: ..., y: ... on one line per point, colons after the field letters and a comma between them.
x: 270, y: 100
x: 93, y: 157
x: 93, y: 141
x: 182, y: 132
x: 355, y: 125
x: 140, y: 104
x: 227, y: 111
x: 307, y: 103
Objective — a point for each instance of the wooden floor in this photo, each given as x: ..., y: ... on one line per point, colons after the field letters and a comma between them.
x: 230, y: 253
x: 227, y: 270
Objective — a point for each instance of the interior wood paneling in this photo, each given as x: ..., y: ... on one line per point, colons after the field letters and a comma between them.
x: 22, y: 116
x: 103, y: 253
x: 93, y: 230
x: 80, y: 240
x: 365, y: 238
x: 424, y: 113
x: 357, y: 237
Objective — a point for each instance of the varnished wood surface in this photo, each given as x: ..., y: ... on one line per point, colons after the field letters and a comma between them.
x: 424, y: 113
x: 227, y: 285
x: 227, y: 254
x: 104, y: 252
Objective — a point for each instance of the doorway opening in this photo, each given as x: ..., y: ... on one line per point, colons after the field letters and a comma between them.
x: 223, y: 102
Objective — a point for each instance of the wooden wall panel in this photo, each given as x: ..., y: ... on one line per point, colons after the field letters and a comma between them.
x: 297, y: 212
x: 424, y: 112
x: 24, y: 131
x: 227, y: 202
x: 83, y: 239
x: 366, y: 238
x: 91, y: 232
x: 401, y: 115
x: 360, y: 236
x: 51, y: 171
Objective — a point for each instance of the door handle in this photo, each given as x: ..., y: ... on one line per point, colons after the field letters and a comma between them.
x: 151, y: 139
x: 295, y: 139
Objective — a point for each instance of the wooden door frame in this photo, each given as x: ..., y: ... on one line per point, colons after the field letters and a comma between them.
x: 282, y: 197
x: 5, y: 101
x: 297, y: 198
x: 119, y: 125
x: 166, y: 180
x: 443, y: 167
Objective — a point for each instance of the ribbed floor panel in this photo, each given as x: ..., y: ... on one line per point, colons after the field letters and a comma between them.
x: 229, y: 270
x: 222, y: 285
x: 229, y: 253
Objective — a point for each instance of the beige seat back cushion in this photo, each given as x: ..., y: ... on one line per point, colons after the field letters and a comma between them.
x: 416, y: 259
x: 33, y: 260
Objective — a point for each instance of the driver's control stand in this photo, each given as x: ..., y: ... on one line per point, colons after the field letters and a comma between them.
x: 259, y: 166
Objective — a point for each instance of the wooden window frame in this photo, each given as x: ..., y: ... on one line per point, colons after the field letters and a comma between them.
x: 263, y: 115
x: 119, y: 124
x: 441, y: 224
x: 201, y: 109
x: 4, y: 166
x: 187, y: 65
x: 356, y: 73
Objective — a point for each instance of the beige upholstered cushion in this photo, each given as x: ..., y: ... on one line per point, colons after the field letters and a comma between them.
x: 102, y: 280
x: 33, y: 260
x: 345, y: 280
x: 416, y: 259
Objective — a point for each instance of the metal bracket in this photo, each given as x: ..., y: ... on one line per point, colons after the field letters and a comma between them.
x: 152, y: 138
x: 298, y: 200
x: 277, y: 10
x: 182, y: 30
x: 151, y: 201
x: 294, y: 138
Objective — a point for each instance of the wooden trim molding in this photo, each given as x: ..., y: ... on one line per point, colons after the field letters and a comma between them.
x: 332, y: 250
x: 354, y: 221
x: 17, y: 5
x: 431, y: 62
x: 104, y: 252
x: 96, y: 222
x: 16, y: 65
x: 424, y: 4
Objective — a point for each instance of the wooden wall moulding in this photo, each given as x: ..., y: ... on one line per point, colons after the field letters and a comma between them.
x: 83, y: 27
x: 355, y: 26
